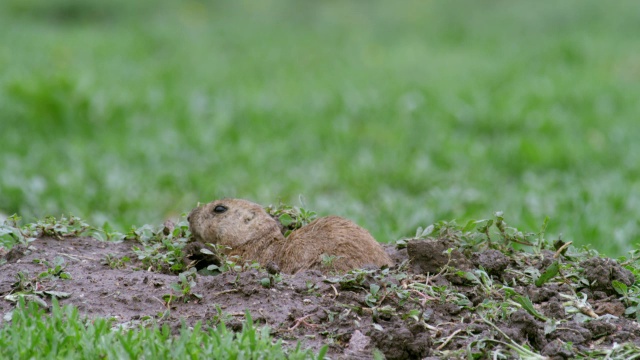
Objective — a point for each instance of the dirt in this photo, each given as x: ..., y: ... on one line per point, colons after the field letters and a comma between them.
x: 429, y: 307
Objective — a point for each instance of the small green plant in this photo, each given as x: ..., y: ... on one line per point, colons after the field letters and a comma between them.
x: 477, y: 235
x: 328, y: 260
x: 270, y: 280
x: 227, y: 263
x: 161, y: 248
x: 312, y: 287
x: 373, y: 296
x: 161, y: 257
x: 480, y: 278
x: 414, y: 314
x: 58, y: 228
x: 424, y: 233
x: 630, y: 297
x: 551, y: 271
x: 398, y: 293
x: 525, y: 303
x: 24, y: 282
x: 354, y: 279
x: 12, y: 233
x: 107, y: 233
x: 220, y: 317
x: 114, y: 262
x: 55, y: 271
x: 183, y: 288
x: 291, y: 217
x: 32, y: 289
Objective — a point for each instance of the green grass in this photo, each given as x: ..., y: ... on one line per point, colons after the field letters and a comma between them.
x: 396, y: 116
x: 66, y: 335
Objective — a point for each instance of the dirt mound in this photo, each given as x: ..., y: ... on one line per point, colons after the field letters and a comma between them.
x: 451, y: 295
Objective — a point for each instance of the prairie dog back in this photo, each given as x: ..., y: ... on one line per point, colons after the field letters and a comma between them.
x: 332, y: 243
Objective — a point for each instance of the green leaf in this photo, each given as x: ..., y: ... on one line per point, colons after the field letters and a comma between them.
x: 413, y: 314
x: 65, y: 276
x: 620, y: 287
x: 550, y: 326
x: 471, y: 224
x: 58, y: 294
x: 213, y: 267
x: 548, y: 274
x: 285, y: 220
x: 528, y: 306
x: 469, y: 276
x: 630, y: 310
x: 27, y: 298
x: 374, y: 288
x: 428, y: 231
x: 419, y: 231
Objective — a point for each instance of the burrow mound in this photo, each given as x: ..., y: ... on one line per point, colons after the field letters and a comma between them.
x: 442, y: 299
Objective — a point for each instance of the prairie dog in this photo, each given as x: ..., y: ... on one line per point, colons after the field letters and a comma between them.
x: 327, y: 244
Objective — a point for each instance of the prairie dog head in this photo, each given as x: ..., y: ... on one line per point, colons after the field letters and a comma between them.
x: 231, y: 222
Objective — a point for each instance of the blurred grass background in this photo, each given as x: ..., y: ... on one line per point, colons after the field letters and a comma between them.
x: 395, y: 115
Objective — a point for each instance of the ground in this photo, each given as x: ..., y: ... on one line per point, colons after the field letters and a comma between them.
x: 448, y: 301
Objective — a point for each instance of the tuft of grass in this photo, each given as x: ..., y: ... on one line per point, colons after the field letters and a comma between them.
x: 32, y: 333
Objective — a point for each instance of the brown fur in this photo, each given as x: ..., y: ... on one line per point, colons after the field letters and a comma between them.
x: 330, y: 243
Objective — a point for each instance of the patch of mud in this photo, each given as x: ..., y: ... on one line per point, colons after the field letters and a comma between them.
x: 430, y: 256
x: 407, y: 313
x: 399, y: 341
x: 493, y: 261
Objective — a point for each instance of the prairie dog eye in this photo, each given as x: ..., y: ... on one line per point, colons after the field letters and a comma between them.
x: 220, y: 209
